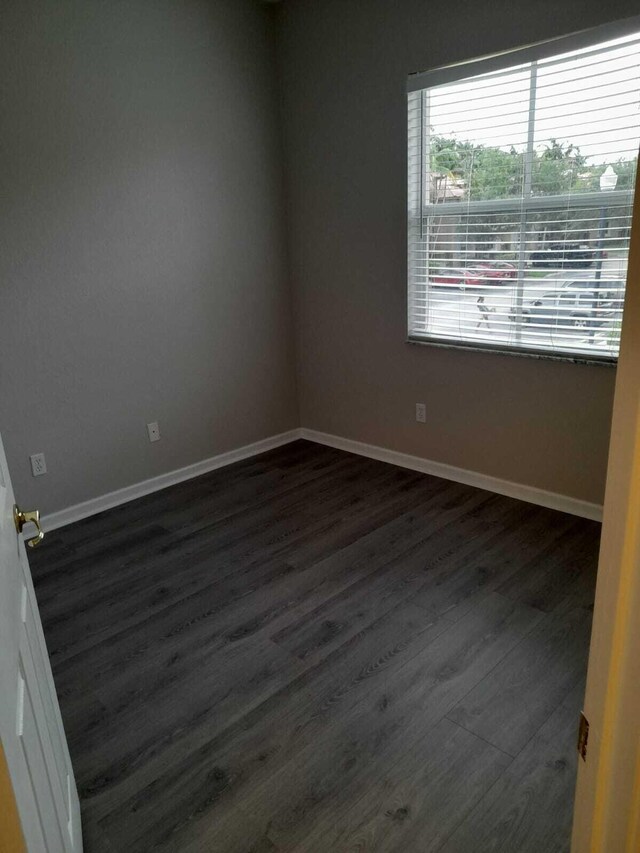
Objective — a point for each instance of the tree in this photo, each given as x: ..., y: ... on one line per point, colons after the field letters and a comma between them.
x: 557, y: 169
x: 489, y: 172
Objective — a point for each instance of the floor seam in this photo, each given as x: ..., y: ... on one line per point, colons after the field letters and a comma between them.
x: 479, y: 737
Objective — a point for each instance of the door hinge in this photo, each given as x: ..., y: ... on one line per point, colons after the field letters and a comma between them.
x: 583, y: 736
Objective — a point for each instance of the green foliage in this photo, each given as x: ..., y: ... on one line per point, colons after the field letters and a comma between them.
x: 557, y: 169
x: 624, y: 169
x: 488, y: 172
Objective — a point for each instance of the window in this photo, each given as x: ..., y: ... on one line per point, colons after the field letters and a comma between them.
x: 521, y: 176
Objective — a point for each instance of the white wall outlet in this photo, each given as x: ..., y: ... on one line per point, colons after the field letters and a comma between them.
x: 38, y: 464
x: 421, y: 413
x: 154, y: 431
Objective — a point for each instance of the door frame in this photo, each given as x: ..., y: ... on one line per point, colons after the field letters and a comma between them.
x: 11, y: 837
x: 607, y: 805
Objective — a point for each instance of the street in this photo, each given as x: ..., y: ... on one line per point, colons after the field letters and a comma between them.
x: 485, y: 314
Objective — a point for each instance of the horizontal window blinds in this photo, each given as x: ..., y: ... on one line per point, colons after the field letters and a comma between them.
x: 520, y: 196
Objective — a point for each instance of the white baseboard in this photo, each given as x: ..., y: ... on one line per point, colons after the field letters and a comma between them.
x: 552, y: 500
x: 404, y: 460
x: 146, y: 487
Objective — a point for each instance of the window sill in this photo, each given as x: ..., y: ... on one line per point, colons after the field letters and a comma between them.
x: 599, y: 361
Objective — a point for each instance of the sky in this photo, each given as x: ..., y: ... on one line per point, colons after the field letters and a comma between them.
x: 589, y: 98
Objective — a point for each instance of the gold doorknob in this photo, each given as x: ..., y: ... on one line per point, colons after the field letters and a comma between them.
x: 21, y: 518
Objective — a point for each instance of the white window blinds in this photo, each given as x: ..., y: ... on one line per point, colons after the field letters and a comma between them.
x: 520, y: 195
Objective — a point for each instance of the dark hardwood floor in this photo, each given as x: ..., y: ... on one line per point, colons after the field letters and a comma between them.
x: 310, y: 651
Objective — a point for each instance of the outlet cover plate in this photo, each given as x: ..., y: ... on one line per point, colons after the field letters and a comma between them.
x: 38, y: 464
x: 153, y: 430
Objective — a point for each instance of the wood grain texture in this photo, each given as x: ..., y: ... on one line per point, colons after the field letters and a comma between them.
x: 526, y: 810
x: 310, y: 651
x: 508, y: 706
x: 443, y: 773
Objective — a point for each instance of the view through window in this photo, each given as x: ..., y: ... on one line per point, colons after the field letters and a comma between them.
x: 520, y: 195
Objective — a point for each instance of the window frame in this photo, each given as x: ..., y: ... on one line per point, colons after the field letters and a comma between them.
x: 420, y: 81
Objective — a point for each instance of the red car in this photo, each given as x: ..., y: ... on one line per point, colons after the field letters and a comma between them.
x: 489, y: 273
x: 448, y: 277
x: 481, y: 274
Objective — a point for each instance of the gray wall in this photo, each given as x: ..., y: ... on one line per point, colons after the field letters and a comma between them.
x: 343, y: 66
x: 142, y: 263
x: 143, y: 270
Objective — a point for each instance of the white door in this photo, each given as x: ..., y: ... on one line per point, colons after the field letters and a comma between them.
x: 30, y: 724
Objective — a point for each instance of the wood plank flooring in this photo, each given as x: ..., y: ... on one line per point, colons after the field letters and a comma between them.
x: 309, y: 651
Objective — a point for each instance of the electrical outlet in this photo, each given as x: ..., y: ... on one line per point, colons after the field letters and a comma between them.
x: 421, y: 413
x: 154, y: 431
x: 38, y: 464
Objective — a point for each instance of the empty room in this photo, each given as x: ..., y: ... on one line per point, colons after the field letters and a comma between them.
x: 320, y: 426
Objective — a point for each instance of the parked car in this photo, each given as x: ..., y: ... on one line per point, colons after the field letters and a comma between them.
x: 481, y: 274
x: 452, y: 277
x: 487, y: 273
x: 564, y: 256
x: 574, y: 303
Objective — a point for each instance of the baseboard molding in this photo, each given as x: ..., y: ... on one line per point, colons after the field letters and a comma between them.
x: 552, y: 500
x: 155, y: 484
x: 404, y: 460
